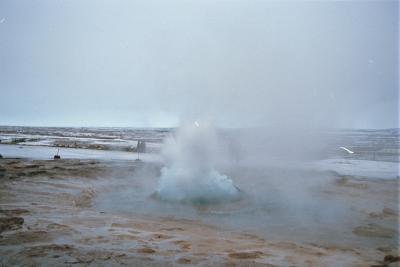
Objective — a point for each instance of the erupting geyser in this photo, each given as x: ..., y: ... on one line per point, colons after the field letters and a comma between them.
x: 190, y: 175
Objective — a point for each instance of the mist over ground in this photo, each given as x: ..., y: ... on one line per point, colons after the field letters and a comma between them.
x: 275, y: 64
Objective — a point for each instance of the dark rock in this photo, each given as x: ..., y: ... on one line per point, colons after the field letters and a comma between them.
x: 13, y: 212
x: 246, y: 255
x: 391, y: 258
x: 11, y: 223
x: 146, y: 250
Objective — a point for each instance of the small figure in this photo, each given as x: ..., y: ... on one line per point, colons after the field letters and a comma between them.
x: 56, y: 156
x: 1, y: 156
x: 141, y: 147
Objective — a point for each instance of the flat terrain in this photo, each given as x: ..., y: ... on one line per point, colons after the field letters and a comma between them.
x: 49, y: 217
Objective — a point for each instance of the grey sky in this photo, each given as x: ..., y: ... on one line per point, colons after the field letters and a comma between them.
x: 241, y: 63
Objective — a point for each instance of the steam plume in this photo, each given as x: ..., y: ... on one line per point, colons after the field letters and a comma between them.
x: 190, y: 175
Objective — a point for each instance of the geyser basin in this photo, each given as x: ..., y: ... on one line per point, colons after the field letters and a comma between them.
x: 276, y: 204
x: 195, y: 187
x: 190, y: 175
x: 282, y: 200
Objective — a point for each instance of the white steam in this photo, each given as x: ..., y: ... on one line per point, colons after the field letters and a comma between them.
x: 190, y: 175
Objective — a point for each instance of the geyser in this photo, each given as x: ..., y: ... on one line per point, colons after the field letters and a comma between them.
x: 189, y: 175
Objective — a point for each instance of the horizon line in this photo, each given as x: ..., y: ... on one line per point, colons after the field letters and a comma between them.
x: 173, y: 127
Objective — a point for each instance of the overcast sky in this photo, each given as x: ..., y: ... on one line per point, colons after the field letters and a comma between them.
x: 239, y: 62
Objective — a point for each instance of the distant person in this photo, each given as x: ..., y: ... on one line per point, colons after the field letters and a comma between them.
x: 141, y: 147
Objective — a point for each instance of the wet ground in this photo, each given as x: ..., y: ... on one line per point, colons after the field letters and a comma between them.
x: 55, y: 213
x: 94, y: 207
